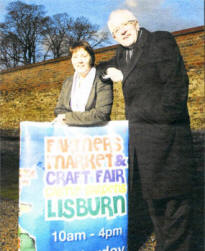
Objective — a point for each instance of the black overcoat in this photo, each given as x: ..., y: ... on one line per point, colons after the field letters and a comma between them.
x: 155, y: 87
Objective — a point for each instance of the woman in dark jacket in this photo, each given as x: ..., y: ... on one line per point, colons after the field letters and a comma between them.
x: 84, y: 98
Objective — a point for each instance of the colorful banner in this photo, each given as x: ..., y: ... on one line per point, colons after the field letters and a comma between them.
x: 73, y: 187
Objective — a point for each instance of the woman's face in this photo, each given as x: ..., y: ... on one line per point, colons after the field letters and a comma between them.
x: 81, y: 61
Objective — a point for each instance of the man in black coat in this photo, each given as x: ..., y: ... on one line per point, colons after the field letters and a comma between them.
x: 155, y: 88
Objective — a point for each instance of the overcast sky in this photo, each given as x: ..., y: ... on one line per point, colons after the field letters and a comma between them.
x: 170, y: 15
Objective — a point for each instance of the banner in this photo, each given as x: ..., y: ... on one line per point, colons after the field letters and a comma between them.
x: 73, y: 187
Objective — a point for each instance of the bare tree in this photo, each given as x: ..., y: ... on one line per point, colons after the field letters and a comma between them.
x: 99, y: 38
x: 62, y: 31
x: 24, y: 23
x: 28, y: 36
x: 10, y: 50
x: 55, y: 35
x: 82, y: 29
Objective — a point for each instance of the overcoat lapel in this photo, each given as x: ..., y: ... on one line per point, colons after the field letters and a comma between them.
x: 135, y: 58
x: 137, y: 53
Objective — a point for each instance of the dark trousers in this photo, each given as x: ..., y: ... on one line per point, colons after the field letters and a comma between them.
x: 140, y: 225
x: 172, y: 223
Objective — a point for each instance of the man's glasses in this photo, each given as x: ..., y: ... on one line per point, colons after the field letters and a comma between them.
x: 118, y: 30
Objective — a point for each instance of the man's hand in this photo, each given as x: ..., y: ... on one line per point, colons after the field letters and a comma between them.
x: 114, y: 74
x: 60, y: 119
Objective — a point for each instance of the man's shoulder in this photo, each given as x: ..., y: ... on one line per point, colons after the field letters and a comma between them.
x: 161, y: 39
x: 159, y: 34
x: 162, y: 35
x: 162, y: 43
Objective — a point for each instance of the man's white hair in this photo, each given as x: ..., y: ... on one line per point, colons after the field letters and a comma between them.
x: 118, y: 17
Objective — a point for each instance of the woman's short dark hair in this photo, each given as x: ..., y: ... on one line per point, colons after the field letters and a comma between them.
x: 85, y: 45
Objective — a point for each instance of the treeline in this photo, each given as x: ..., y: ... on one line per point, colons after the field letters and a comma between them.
x: 28, y: 36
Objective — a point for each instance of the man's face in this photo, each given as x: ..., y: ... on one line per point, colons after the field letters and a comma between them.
x: 125, y: 34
